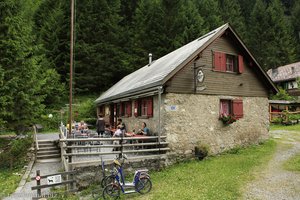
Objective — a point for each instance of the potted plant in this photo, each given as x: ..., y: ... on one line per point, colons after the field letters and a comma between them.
x: 227, y: 119
x: 201, y: 150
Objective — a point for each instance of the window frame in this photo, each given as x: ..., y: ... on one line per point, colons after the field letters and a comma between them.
x: 143, y: 107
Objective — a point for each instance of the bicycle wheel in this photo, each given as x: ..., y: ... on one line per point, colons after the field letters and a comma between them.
x: 107, y: 180
x: 111, y: 191
x: 144, y: 185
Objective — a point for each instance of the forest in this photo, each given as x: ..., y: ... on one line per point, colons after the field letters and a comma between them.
x: 114, y: 37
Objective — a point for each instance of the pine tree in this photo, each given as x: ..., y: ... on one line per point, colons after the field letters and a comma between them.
x: 231, y: 12
x: 52, y: 27
x: 296, y: 26
x: 98, y: 57
x: 20, y: 71
x: 280, y: 44
x: 210, y: 11
x: 257, y: 35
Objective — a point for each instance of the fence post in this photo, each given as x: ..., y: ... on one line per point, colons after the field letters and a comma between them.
x: 38, y: 182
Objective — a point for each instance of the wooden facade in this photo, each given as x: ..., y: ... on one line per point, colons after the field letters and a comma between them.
x: 247, y: 83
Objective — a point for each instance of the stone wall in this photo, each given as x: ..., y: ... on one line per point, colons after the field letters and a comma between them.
x: 189, y: 119
x: 93, y: 174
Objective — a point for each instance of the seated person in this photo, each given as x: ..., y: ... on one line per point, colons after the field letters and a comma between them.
x: 83, y: 127
x: 121, y: 125
x: 118, y: 132
x: 145, y: 130
x: 107, y: 131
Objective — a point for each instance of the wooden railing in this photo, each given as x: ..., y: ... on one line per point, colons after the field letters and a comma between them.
x: 86, y: 151
x: 283, y: 115
x: 35, y: 138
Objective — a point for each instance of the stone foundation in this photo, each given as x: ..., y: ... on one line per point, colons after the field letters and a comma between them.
x: 194, y: 120
x: 93, y: 173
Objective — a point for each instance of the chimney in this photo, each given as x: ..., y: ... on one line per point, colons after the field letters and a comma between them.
x: 293, y: 70
x: 274, y: 72
x: 150, y: 59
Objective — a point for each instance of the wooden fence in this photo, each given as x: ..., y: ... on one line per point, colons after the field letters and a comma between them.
x: 88, y: 151
x: 53, y: 180
x: 284, y: 116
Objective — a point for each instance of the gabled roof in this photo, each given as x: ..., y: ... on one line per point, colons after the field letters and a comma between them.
x: 150, y: 77
x: 285, y: 73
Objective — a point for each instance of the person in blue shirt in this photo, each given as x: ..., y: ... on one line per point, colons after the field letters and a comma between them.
x: 145, y: 130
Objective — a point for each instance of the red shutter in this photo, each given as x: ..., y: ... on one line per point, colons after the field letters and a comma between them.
x: 136, y: 108
x: 220, y: 61
x: 121, y: 110
x: 237, y: 108
x: 128, y: 108
x: 241, y: 64
x: 150, y: 107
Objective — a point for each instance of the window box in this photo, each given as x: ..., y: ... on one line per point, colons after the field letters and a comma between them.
x: 227, y: 119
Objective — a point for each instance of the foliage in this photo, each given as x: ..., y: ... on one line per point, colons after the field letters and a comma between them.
x: 227, y: 119
x: 113, y: 38
x: 9, y: 181
x: 282, y: 95
x: 293, y: 163
x: 277, y: 120
x: 15, y: 154
x: 201, y: 150
x: 85, y: 110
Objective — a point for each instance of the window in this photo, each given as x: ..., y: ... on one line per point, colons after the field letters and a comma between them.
x: 124, y: 109
x: 128, y: 109
x: 143, y: 107
x: 228, y: 63
x: 231, y: 107
x: 231, y: 64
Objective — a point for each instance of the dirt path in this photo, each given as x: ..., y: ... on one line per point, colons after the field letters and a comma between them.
x: 274, y: 182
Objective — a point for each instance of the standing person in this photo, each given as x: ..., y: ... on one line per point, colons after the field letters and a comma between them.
x: 100, y: 124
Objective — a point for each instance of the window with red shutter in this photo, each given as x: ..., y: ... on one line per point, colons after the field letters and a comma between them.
x: 150, y: 107
x: 241, y: 64
x: 219, y: 61
x: 237, y: 106
x: 136, y: 106
x: 128, y: 109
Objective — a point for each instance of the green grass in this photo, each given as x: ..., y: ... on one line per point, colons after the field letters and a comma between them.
x: 293, y: 164
x: 9, y: 181
x: 274, y: 127
x: 220, y: 177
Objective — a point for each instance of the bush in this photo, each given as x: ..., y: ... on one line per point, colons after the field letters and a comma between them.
x: 201, y: 150
x: 15, y: 153
x: 277, y: 120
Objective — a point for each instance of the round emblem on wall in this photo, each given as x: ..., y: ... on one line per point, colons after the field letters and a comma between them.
x: 200, y: 76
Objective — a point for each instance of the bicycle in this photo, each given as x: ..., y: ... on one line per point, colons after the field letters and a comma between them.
x: 141, y: 182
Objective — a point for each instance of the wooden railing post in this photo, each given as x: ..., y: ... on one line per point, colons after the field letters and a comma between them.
x: 38, y: 182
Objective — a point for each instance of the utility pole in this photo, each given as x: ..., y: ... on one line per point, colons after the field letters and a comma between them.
x: 71, y: 66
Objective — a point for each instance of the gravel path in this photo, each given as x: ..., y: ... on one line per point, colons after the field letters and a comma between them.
x: 275, y: 183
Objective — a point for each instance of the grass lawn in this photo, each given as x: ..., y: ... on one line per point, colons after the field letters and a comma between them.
x: 219, y: 177
x: 274, y: 127
x: 293, y: 164
x: 9, y: 181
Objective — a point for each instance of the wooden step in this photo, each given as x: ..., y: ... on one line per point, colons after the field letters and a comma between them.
x: 49, y: 152
x: 48, y: 156
x: 49, y: 160
x: 48, y: 148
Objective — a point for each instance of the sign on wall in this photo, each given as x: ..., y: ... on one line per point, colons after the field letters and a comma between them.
x: 172, y: 107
